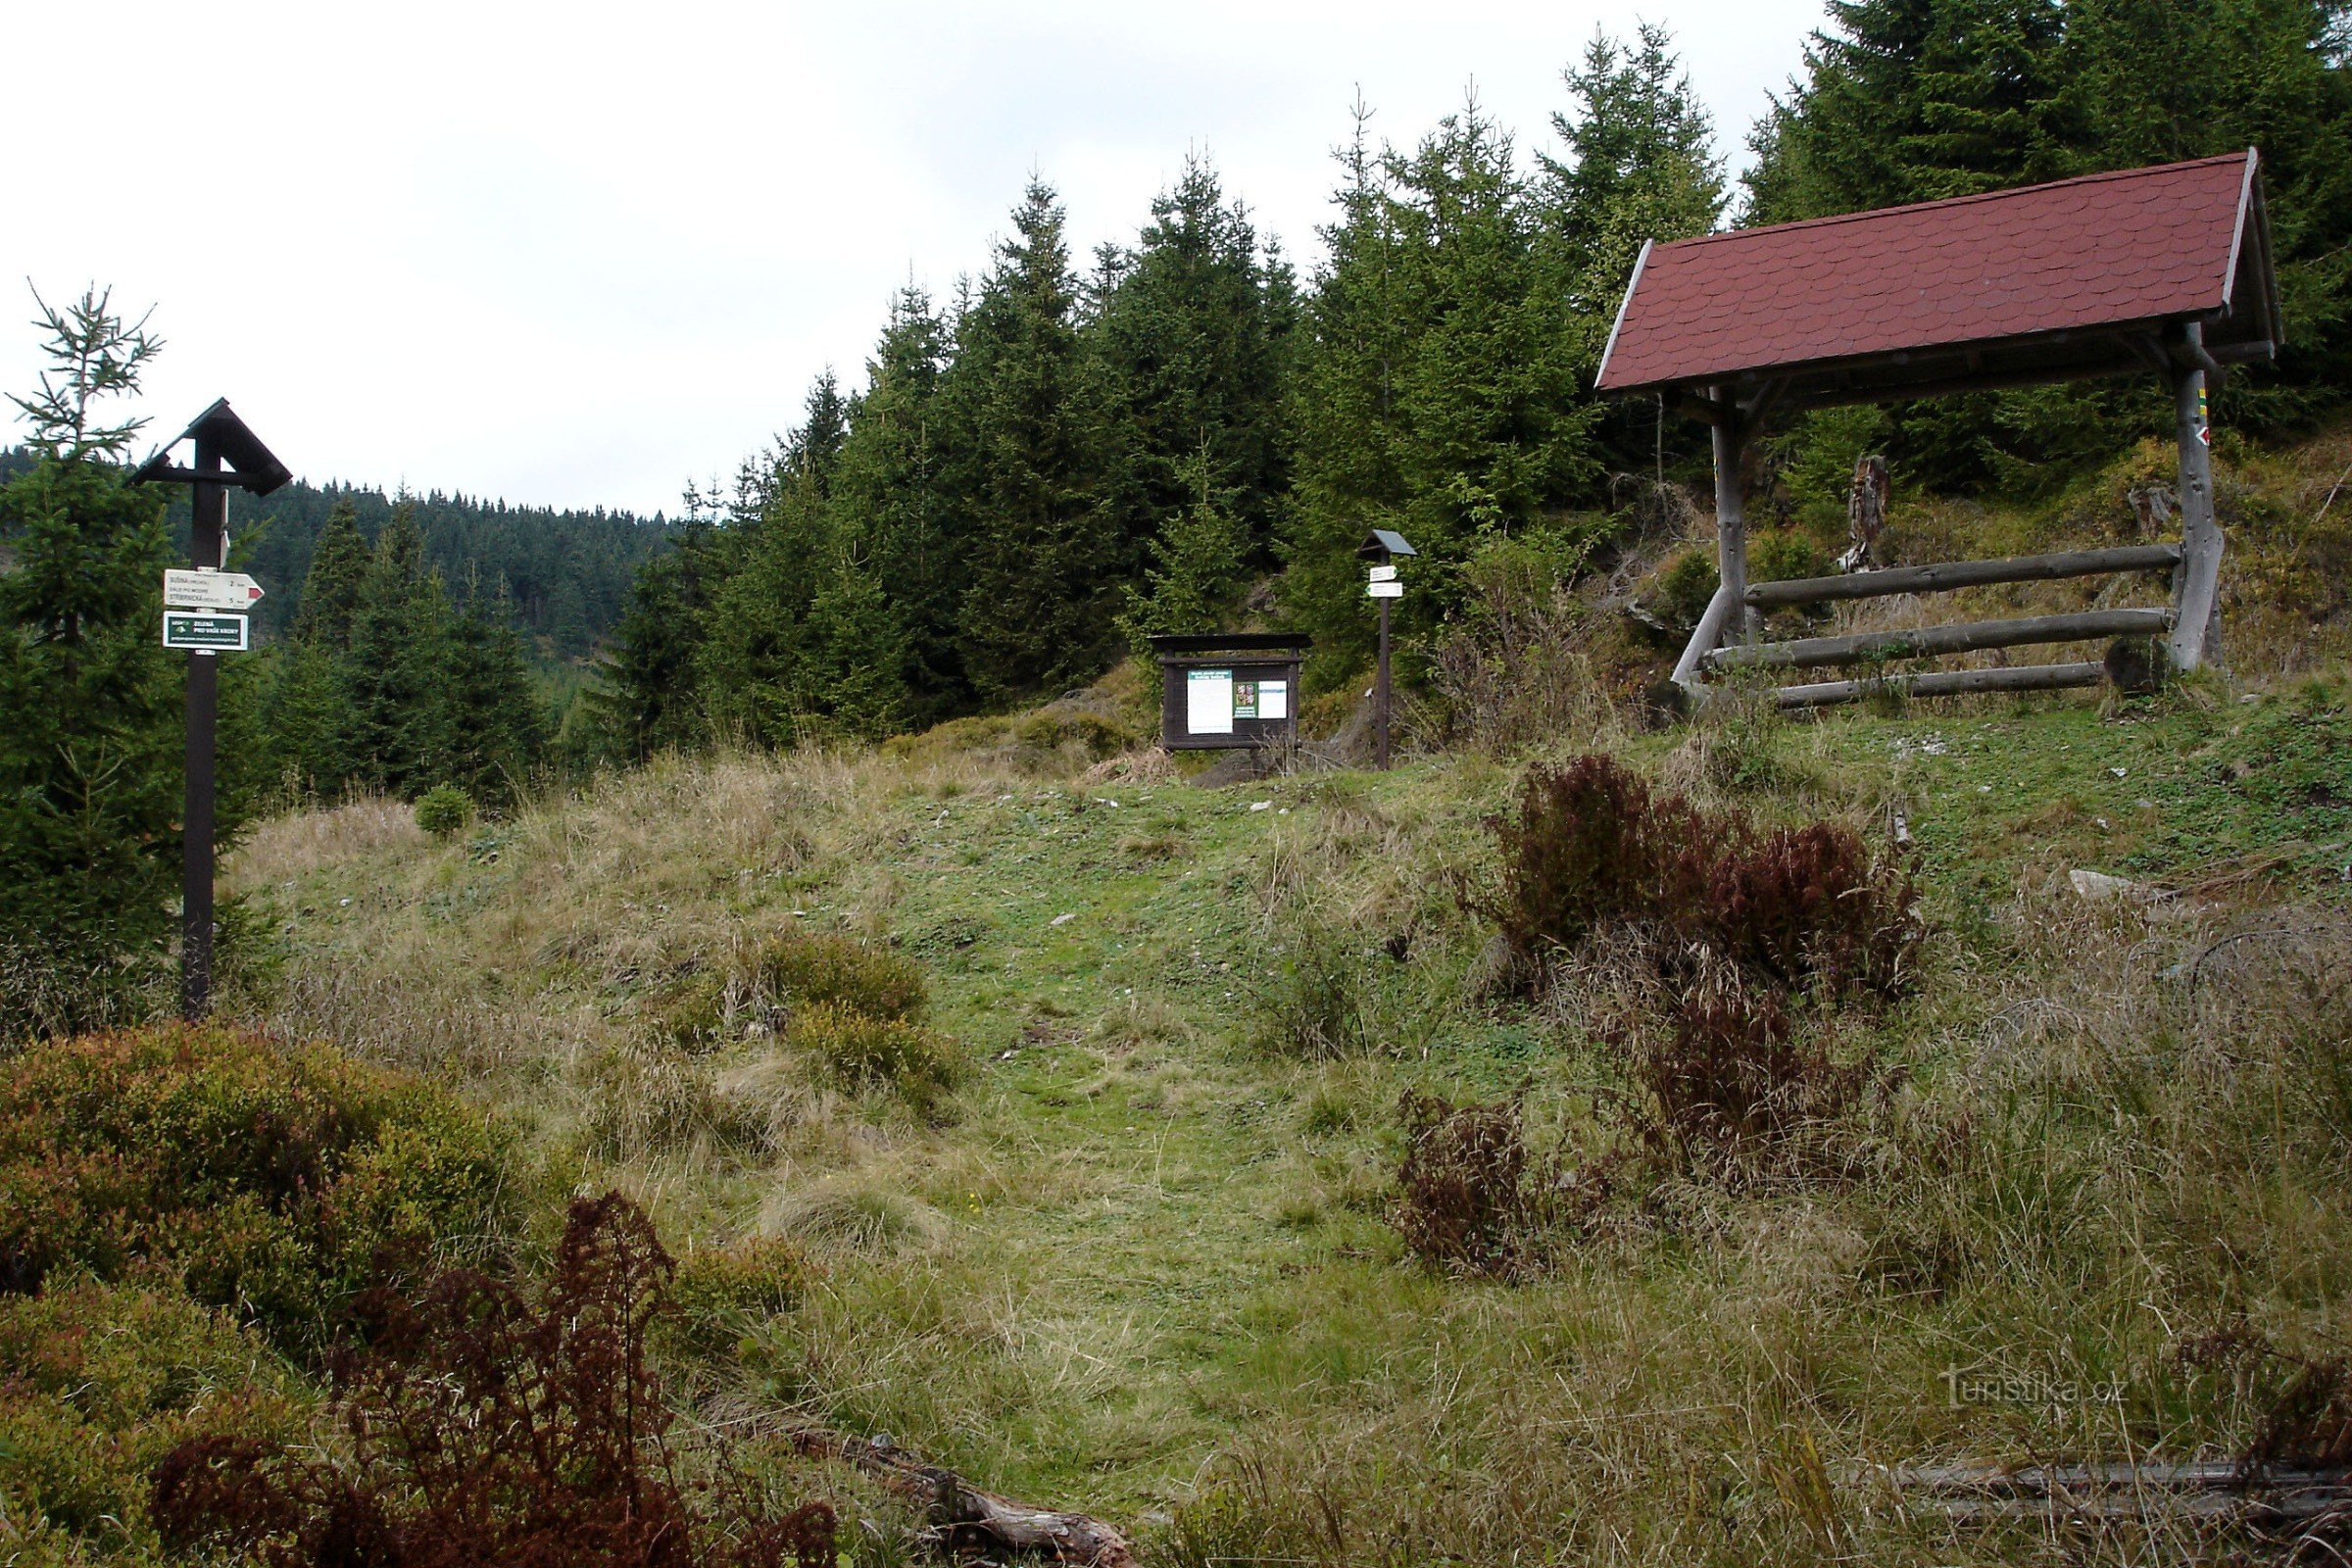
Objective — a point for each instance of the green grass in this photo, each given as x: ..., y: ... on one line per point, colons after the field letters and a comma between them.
x: 1135, y: 1256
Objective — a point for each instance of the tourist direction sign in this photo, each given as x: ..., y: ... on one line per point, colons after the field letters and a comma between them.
x: 204, y: 633
x: 209, y: 590
x: 1385, y: 590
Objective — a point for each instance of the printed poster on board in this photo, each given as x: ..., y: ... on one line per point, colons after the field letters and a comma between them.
x: 1208, y: 701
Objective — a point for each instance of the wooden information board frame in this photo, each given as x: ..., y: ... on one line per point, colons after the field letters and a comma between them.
x: 1256, y: 698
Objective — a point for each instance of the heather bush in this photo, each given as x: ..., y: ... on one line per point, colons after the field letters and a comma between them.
x: 100, y: 1381
x: 1730, y: 1075
x: 486, y: 1423
x: 274, y: 1183
x: 859, y: 1051
x: 1474, y: 1199
x: 799, y: 969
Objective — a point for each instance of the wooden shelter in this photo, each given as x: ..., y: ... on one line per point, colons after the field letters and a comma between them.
x: 2163, y: 271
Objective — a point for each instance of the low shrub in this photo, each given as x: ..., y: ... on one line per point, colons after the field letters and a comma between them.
x: 1806, y: 908
x: 861, y: 1052
x: 1733, y: 1073
x: 800, y: 969
x: 274, y: 1183
x: 103, y: 1380
x: 487, y: 1424
x: 1678, y: 593
x: 1473, y: 1199
x: 720, y: 1293
x: 444, y: 811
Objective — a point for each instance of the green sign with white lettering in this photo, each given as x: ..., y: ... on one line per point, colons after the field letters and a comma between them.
x: 203, y: 632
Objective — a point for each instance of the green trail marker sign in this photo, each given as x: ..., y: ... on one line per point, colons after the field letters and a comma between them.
x: 202, y: 632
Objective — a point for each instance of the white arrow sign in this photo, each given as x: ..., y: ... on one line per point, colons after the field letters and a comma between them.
x: 209, y: 590
x: 1384, y: 573
x: 1384, y: 590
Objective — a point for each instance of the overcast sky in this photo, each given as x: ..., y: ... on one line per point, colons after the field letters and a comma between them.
x: 580, y: 254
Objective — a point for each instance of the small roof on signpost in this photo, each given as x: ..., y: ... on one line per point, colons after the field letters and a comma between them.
x: 254, y: 468
x: 1381, y: 544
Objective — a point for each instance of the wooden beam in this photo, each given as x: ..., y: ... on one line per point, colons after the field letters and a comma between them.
x: 2196, y: 600
x: 1946, y: 683
x: 1945, y: 576
x: 1703, y: 639
x: 1929, y: 641
x: 1731, y: 516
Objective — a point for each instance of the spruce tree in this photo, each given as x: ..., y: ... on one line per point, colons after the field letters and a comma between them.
x: 1441, y: 383
x: 1194, y: 581
x: 90, y: 755
x: 399, y: 651
x: 331, y: 588
x: 642, y: 694
x: 492, y: 732
x: 889, y: 504
x: 1641, y: 164
x: 1038, y: 613
x: 1189, y: 346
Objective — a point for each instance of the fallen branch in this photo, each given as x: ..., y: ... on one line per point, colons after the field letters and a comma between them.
x: 963, y: 1518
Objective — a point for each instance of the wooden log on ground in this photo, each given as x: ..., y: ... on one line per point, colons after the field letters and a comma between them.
x: 1925, y: 642
x: 963, y: 1518
x: 1945, y: 576
x: 1946, y: 683
x: 1983, y: 1493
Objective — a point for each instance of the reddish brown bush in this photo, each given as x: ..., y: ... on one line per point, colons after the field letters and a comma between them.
x: 1590, y: 846
x: 1736, y: 1071
x: 1806, y: 908
x: 491, y: 1424
x: 1471, y: 1196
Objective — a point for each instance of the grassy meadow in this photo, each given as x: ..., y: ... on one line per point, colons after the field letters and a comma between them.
x: 1137, y: 1257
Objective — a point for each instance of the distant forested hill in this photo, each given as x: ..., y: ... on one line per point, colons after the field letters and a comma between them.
x: 567, y: 573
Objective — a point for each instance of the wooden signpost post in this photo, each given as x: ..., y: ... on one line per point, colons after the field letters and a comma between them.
x: 1384, y: 546
x: 227, y: 456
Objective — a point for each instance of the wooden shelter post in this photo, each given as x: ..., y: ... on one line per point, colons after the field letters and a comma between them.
x: 1731, y: 519
x: 2196, y: 599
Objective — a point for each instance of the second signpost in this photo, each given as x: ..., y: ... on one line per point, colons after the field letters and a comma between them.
x: 1384, y: 548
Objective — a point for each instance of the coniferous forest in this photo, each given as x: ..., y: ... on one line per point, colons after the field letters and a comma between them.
x: 1070, y: 450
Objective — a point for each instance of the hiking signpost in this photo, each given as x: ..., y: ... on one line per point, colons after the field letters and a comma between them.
x: 1384, y: 547
x: 203, y: 617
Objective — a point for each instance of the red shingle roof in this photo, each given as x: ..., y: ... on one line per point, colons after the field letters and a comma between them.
x: 2139, y: 246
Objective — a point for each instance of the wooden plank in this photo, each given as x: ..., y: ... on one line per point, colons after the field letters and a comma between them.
x: 1926, y: 642
x: 1947, y: 576
x: 1946, y: 683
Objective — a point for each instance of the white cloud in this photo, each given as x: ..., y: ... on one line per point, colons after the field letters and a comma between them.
x: 582, y: 254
